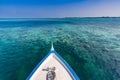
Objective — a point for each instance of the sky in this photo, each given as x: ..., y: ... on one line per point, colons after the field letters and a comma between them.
x: 58, y: 8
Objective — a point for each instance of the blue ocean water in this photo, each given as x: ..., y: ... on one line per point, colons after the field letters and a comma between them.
x: 90, y: 45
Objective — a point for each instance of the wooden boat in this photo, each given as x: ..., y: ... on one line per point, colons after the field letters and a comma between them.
x: 53, y: 67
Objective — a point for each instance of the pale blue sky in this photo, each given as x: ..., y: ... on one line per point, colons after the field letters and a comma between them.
x: 58, y: 8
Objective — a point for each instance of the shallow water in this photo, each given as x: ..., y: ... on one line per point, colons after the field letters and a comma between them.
x: 90, y: 45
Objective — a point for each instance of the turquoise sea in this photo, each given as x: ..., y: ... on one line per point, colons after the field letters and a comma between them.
x: 90, y: 45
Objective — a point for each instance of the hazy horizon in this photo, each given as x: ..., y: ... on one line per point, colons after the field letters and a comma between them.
x: 59, y: 17
x: 59, y: 8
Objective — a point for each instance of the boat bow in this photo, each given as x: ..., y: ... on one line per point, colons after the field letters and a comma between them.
x: 53, y: 67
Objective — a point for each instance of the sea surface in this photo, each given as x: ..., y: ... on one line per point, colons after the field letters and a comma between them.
x: 90, y: 45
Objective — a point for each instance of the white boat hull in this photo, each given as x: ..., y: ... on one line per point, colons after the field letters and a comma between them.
x: 53, y: 67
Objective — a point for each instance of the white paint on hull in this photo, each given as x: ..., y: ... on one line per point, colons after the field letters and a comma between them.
x: 53, y: 65
x: 52, y: 61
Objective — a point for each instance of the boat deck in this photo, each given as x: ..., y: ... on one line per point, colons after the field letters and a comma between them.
x: 53, y: 67
x: 61, y: 72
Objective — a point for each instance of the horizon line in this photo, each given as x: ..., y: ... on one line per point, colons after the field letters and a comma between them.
x: 61, y: 17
